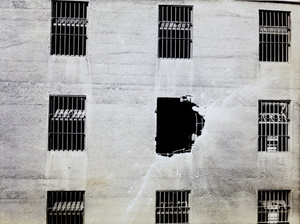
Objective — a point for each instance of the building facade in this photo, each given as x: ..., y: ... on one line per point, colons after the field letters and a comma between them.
x: 147, y: 111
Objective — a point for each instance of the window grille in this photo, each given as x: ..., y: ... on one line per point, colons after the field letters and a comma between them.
x: 274, y: 35
x: 67, y: 122
x: 172, y: 207
x: 273, y: 120
x: 65, y: 207
x: 69, y: 28
x: 175, y: 31
x: 273, y: 207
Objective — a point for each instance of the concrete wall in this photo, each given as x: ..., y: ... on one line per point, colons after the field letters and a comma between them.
x: 122, y: 77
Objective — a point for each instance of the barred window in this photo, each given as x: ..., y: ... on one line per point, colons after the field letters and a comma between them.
x: 69, y: 28
x: 67, y: 122
x: 65, y: 207
x: 273, y: 120
x: 273, y: 207
x: 274, y: 35
x: 172, y: 207
x: 175, y: 31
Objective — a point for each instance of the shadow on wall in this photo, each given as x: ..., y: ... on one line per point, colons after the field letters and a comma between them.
x: 178, y: 125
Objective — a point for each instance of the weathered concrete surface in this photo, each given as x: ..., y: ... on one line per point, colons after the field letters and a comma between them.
x: 122, y: 78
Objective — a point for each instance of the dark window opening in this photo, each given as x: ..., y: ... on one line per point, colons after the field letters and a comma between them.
x: 273, y: 207
x: 69, y: 28
x: 67, y: 123
x: 65, y: 207
x: 273, y: 120
x: 274, y: 36
x: 172, y: 207
x: 178, y: 124
x: 175, y: 31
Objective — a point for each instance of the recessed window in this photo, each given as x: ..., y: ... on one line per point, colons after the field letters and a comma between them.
x: 273, y: 120
x: 172, y: 207
x: 69, y: 28
x: 178, y: 125
x: 274, y: 35
x: 273, y: 207
x: 64, y: 207
x: 67, y: 123
x: 175, y: 31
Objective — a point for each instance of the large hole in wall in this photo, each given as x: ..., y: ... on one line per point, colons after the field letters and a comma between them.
x: 178, y: 125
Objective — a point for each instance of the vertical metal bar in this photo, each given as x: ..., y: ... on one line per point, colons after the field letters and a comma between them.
x: 189, y: 35
x: 60, y: 30
x: 64, y: 30
x: 286, y: 126
x: 56, y: 27
x: 285, y: 40
x: 70, y: 26
x: 51, y: 123
x: 170, y: 30
x: 263, y: 36
x: 73, y: 29
x: 175, y: 31
x: 82, y: 28
x: 78, y: 33
x: 161, y: 29
x: 167, y: 32
x: 57, y: 128
x: 267, y: 39
x: 184, y: 33
x: 277, y: 23
x: 281, y: 42
x: 80, y: 124
x: 260, y: 125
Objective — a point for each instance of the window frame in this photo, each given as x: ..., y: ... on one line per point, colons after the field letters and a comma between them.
x: 63, y: 206
x: 273, y: 140
x: 160, y: 51
x: 79, y: 23
x: 167, y: 210
x: 78, y: 114
x: 273, y: 206
x: 270, y: 30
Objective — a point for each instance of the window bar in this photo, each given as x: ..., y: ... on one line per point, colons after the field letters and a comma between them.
x: 281, y: 36
x: 280, y: 132
x: 57, y: 129
x: 56, y: 26
x: 174, y: 30
x: 261, y: 36
x: 65, y: 28
x: 78, y: 34
x: 76, y: 127
x: 191, y: 33
x: 80, y: 126
x: 67, y: 124
x: 161, y: 31
x: 167, y: 34
x: 179, y: 32
x: 73, y: 31
x: 260, y: 127
x: 188, y: 33
x: 59, y: 29
x: 82, y: 27
x: 171, y: 33
x: 72, y: 124
x: 184, y: 34
x: 286, y: 36
x: 70, y: 27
